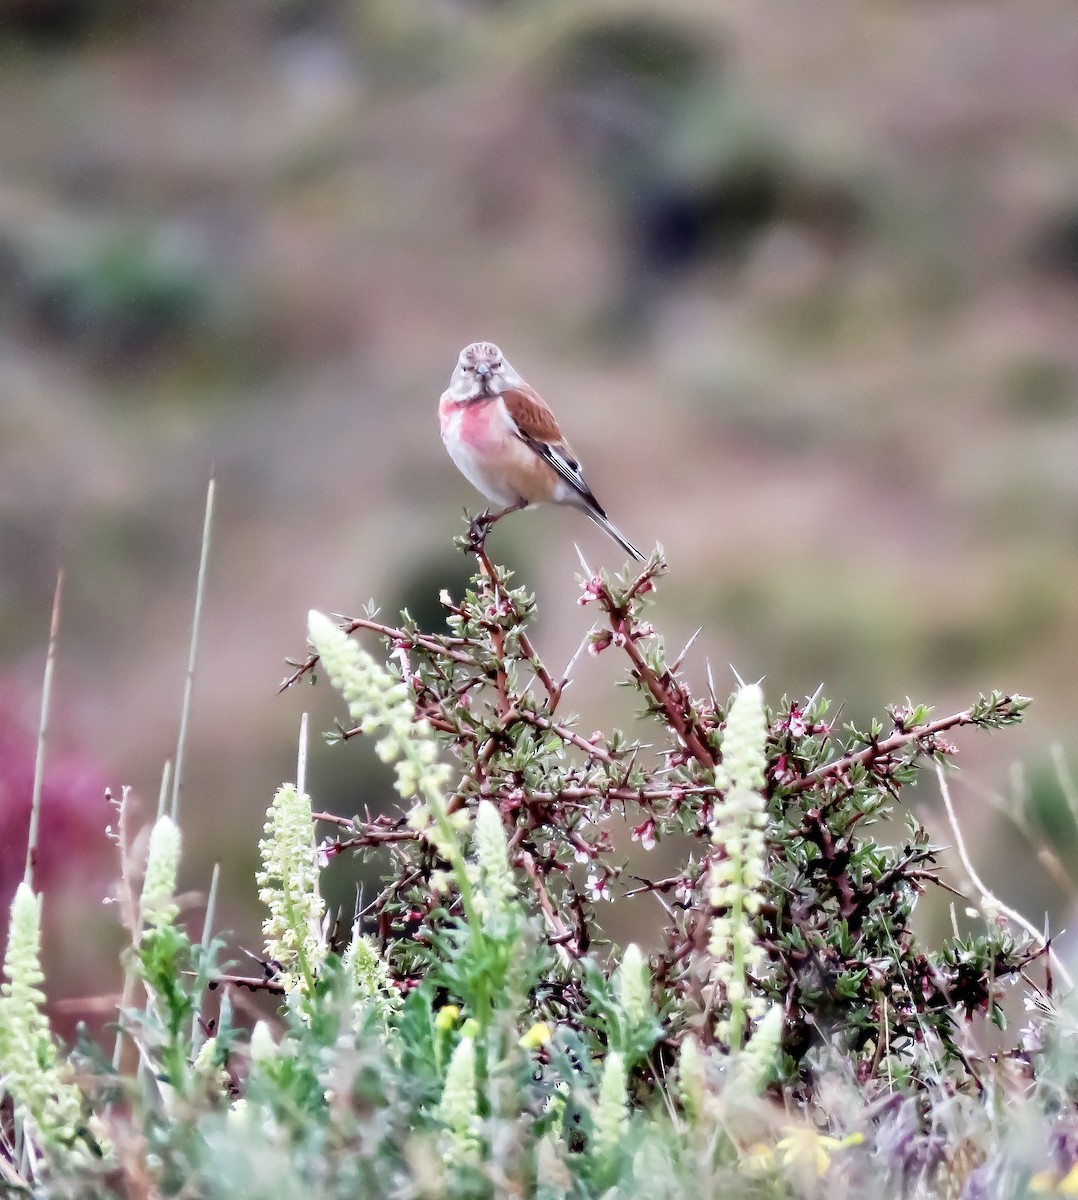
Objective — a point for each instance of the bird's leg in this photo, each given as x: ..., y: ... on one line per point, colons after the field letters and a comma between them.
x: 482, y: 525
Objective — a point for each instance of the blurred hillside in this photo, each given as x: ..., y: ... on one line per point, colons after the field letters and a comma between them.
x: 801, y: 282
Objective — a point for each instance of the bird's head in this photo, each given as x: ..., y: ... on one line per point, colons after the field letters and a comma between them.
x: 481, y: 370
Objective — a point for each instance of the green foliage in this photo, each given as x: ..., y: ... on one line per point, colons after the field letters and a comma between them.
x: 473, y: 1035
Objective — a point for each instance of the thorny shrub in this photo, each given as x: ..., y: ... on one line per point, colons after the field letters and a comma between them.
x: 834, y: 921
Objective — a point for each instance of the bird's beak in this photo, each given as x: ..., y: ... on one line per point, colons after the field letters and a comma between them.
x: 483, y: 370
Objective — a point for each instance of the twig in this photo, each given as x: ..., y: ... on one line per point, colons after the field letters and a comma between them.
x: 253, y: 983
x: 553, y: 690
x: 665, y: 690
x: 370, y: 837
x: 369, y: 833
x: 988, y: 897
x: 667, y: 696
x: 438, y: 647
x: 876, y: 750
x: 562, y: 938
x: 619, y: 793
x: 497, y: 634
x: 656, y: 885
x: 333, y: 819
x: 566, y: 735
x: 302, y: 669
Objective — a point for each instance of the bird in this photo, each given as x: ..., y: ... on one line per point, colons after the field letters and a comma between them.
x: 505, y: 441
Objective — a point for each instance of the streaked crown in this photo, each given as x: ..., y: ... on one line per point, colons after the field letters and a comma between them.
x: 480, y: 352
x: 482, y: 370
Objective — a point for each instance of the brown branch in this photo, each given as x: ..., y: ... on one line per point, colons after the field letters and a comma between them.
x: 655, y: 885
x: 667, y: 696
x: 643, y: 582
x: 875, y: 750
x: 439, y: 647
x: 333, y: 819
x: 497, y: 634
x: 620, y: 793
x: 553, y: 690
x: 308, y: 664
x: 366, y: 834
x: 428, y: 713
x: 665, y: 690
x: 566, y: 735
x: 377, y: 837
x: 560, y: 935
x: 253, y: 983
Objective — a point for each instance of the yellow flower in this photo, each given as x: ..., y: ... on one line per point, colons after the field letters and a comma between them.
x: 757, y: 1159
x: 806, y: 1149
x: 539, y: 1034
x: 1046, y: 1183
x: 448, y: 1016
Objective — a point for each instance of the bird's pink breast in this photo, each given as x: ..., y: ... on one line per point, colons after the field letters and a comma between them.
x: 471, y: 424
x: 478, y: 442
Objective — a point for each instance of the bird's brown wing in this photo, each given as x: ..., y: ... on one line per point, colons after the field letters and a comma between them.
x: 529, y: 413
x: 534, y: 423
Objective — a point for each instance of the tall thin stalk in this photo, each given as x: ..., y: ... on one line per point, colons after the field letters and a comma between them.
x: 42, y: 734
x: 200, y: 591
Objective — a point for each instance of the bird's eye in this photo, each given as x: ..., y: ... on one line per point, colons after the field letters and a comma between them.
x: 496, y: 365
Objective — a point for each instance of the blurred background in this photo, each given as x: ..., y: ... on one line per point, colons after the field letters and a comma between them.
x: 801, y: 282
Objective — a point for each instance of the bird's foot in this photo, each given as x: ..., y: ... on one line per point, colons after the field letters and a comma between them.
x: 478, y: 530
x: 480, y: 527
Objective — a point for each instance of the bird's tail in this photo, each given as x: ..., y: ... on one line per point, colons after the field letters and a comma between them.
x: 603, y: 521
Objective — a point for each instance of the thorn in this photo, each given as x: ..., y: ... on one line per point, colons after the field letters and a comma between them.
x: 685, y: 649
x: 740, y: 681
x: 711, y: 684
x: 814, y: 697
x: 576, y: 654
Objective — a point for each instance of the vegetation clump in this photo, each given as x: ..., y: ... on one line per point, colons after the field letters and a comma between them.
x: 471, y: 1032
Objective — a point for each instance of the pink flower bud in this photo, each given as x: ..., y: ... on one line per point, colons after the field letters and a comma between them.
x: 645, y: 834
